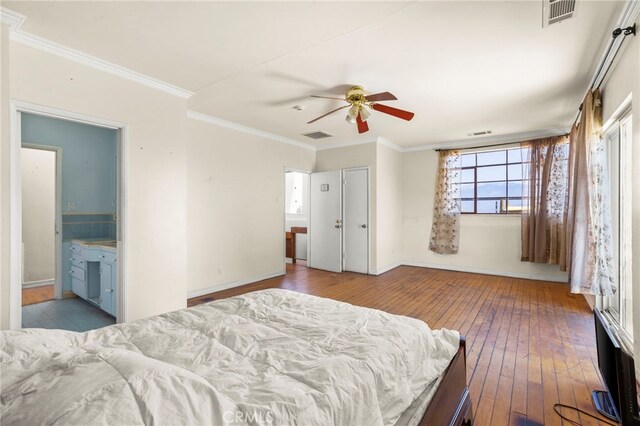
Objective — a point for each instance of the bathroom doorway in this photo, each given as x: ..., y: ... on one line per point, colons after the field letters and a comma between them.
x: 296, y: 216
x: 40, y: 223
x: 69, y: 212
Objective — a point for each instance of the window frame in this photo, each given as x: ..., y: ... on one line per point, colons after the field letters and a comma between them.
x: 617, y: 318
x: 304, y: 205
x: 475, y: 182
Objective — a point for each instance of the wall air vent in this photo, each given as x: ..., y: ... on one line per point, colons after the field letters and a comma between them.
x: 317, y: 135
x: 480, y: 133
x: 554, y: 11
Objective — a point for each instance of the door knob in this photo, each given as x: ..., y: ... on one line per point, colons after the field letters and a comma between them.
x: 363, y: 226
x: 338, y: 226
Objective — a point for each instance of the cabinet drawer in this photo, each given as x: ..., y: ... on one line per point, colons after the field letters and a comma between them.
x: 78, y: 261
x: 79, y: 287
x: 76, y: 249
x: 78, y: 273
x: 107, y: 256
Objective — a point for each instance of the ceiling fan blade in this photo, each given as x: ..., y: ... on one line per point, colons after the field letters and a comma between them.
x: 330, y: 112
x: 384, y: 96
x: 405, y: 115
x: 362, y: 125
x: 327, y: 97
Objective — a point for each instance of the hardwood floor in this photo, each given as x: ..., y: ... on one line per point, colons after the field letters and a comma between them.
x: 530, y: 344
x: 37, y: 295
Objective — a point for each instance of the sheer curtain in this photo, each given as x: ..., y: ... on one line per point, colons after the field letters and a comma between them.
x: 445, y: 231
x: 589, y: 241
x: 545, y: 199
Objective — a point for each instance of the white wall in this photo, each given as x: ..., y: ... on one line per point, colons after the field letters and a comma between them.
x: 488, y: 243
x: 155, y: 152
x: 364, y: 155
x: 624, y: 79
x: 38, y: 214
x: 389, y: 207
x: 4, y: 174
x: 235, y: 187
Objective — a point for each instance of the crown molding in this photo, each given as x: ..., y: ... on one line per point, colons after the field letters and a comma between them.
x: 15, y: 20
x: 479, y: 142
x: 388, y: 143
x: 11, y: 18
x: 347, y: 144
x: 246, y: 129
x: 627, y: 17
x: 460, y: 143
x: 629, y: 14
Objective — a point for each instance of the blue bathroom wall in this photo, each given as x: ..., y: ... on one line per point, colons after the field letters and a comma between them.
x: 88, y: 161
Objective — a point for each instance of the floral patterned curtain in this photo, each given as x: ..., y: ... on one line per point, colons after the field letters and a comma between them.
x: 445, y: 231
x: 545, y: 199
x: 590, y: 249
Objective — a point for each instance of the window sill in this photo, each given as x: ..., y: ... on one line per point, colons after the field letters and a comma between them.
x: 621, y: 334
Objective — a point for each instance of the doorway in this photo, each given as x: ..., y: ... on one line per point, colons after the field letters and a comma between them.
x: 93, y: 211
x: 339, y: 220
x: 40, y: 223
x: 296, y: 216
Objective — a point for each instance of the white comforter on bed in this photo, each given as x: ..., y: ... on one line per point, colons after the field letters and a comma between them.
x: 268, y: 357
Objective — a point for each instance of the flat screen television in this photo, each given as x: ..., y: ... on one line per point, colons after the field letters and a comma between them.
x: 619, y: 401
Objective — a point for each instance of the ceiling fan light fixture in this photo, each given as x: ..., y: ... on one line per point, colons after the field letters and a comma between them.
x: 364, y: 114
x: 352, y: 114
x: 359, y: 105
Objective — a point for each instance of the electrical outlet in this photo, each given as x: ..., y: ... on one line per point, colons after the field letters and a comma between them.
x: 220, y: 270
x: 71, y: 206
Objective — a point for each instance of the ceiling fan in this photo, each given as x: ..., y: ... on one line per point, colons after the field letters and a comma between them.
x: 359, y: 104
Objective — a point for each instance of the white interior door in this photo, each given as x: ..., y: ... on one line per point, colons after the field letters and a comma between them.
x: 325, y: 222
x: 356, y: 221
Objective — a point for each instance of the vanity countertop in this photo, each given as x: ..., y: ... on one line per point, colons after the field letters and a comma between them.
x: 106, y: 243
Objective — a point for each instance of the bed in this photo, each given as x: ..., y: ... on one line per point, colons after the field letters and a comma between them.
x: 267, y: 357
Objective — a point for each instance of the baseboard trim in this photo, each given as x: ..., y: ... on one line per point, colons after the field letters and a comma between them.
x: 591, y: 300
x: 387, y: 268
x: 232, y: 284
x: 68, y: 295
x: 379, y: 271
x: 554, y: 278
x: 38, y: 283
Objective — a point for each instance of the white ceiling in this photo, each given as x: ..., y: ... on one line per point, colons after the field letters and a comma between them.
x: 460, y: 66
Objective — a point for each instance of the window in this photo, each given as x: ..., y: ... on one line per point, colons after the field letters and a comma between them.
x: 618, y: 143
x: 295, y: 192
x: 491, y: 181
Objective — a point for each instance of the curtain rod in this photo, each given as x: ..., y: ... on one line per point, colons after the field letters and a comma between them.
x: 492, y: 144
x: 631, y: 30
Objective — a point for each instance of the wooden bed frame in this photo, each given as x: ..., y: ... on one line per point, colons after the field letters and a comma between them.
x: 451, y: 404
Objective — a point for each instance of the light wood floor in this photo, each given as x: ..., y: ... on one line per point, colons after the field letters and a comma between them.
x: 530, y: 343
x: 37, y: 295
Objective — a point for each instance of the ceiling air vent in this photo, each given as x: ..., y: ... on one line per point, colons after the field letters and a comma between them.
x: 554, y: 11
x: 317, y: 135
x: 480, y: 133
